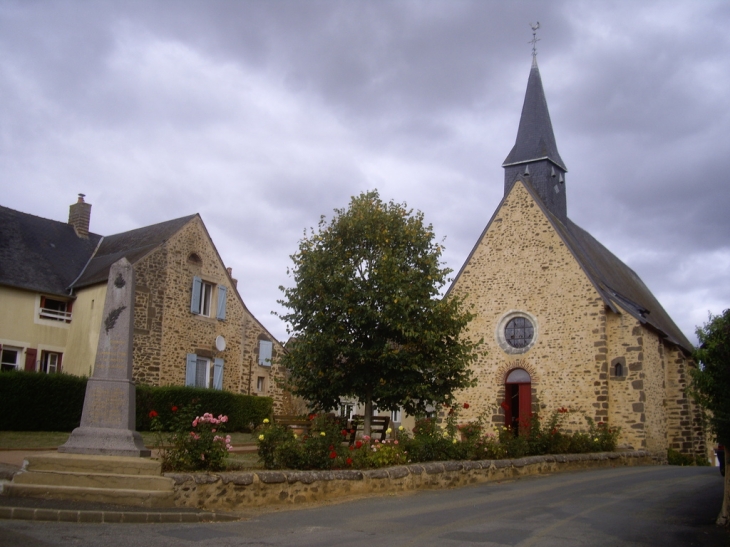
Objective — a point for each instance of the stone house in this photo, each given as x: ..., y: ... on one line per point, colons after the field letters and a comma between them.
x: 191, y: 326
x: 565, y: 323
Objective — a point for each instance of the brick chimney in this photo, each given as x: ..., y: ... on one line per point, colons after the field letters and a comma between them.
x: 79, y: 216
x: 230, y: 274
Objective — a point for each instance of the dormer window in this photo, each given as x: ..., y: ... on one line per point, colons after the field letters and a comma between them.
x: 54, y: 309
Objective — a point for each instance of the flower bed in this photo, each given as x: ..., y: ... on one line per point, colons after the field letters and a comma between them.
x: 326, y: 446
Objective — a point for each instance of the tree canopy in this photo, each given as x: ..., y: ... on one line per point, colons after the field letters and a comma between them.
x: 711, y: 380
x: 365, y: 312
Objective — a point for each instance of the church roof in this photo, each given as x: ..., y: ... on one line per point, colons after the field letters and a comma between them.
x: 134, y: 245
x: 617, y: 284
x: 535, y: 139
x: 41, y: 255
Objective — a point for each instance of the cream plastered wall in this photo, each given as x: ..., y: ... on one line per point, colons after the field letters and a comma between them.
x: 83, y: 336
x: 21, y: 326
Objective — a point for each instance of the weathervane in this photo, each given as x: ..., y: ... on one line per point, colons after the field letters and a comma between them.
x: 535, y: 39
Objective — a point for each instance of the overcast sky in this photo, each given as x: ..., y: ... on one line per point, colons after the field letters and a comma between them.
x: 263, y: 115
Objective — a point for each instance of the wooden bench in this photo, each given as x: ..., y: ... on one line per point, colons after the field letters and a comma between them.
x: 294, y: 422
x: 378, y: 427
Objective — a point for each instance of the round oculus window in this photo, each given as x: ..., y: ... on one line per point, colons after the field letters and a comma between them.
x: 516, y: 332
x: 519, y: 332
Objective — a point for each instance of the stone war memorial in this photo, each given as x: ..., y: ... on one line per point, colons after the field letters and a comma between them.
x: 108, y: 418
x: 104, y: 460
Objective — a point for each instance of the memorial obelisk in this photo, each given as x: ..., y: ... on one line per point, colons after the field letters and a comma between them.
x: 108, y: 419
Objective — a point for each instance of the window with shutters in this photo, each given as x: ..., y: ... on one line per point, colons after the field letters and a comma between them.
x: 204, y: 372
x: 50, y: 362
x: 208, y: 299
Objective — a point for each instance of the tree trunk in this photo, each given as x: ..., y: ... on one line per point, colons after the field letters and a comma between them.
x: 368, y: 415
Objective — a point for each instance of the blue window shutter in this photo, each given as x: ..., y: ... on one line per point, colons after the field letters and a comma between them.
x: 190, y: 368
x: 195, y: 301
x: 222, y: 291
x: 265, y: 349
x: 218, y: 374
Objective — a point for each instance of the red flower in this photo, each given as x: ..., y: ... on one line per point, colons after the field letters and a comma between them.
x: 466, y: 405
x: 358, y: 444
x: 352, y: 448
x: 344, y: 432
x: 348, y: 461
x: 333, y: 455
x: 312, y: 416
x: 505, y: 405
x: 174, y: 408
x: 352, y: 431
x: 153, y: 414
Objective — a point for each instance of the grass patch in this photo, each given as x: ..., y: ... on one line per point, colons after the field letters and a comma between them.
x: 27, y: 440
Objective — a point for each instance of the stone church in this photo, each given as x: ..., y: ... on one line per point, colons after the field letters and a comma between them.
x: 565, y: 323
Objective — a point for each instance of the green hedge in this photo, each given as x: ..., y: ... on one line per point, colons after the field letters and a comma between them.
x: 40, y: 402
x: 243, y: 411
x: 30, y: 401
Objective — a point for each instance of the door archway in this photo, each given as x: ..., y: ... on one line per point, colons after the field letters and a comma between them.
x: 518, y: 399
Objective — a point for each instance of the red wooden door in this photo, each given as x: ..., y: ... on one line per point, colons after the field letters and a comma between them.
x: 525, y: 402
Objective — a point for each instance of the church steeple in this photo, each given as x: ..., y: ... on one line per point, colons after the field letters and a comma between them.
x: 535, y: 157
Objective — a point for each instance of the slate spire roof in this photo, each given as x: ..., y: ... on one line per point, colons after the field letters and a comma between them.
x: 535, y: 162
x: 535, y: 138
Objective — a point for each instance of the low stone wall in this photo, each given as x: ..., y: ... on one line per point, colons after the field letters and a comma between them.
x: 231, y: 491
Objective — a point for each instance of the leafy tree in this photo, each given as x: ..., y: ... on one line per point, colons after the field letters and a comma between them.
x: 711, y: 385
x: 366, y: 313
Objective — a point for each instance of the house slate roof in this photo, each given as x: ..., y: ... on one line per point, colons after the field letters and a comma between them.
x: 41, y: 255
x: 134, y: 245
x: 535, y: 139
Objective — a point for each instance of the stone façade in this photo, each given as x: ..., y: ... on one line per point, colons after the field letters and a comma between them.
x: 521, y: 264
x: 165, y: 329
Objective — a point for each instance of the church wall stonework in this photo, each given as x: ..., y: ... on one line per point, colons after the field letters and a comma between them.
x: 522, y: 265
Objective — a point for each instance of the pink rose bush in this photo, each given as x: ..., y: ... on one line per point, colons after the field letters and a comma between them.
x: 192, y: 442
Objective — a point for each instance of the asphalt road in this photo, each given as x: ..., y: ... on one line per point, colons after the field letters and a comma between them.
x: 639, y: 506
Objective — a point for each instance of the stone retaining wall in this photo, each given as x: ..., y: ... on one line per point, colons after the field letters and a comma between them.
x: 231, y: 491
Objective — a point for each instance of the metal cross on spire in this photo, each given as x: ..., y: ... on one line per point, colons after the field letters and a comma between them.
x: 535, y: 39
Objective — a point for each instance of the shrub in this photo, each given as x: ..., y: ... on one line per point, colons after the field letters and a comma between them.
x: 189, y: 441
x: 674, y: 457
x: 322, y: 448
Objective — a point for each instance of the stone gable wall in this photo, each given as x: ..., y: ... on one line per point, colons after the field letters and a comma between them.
x: 274, y: 376
x: 521, y: 264
x: 165, y: 328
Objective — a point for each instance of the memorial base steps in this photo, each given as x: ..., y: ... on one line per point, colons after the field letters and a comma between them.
x: 103, y: 479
